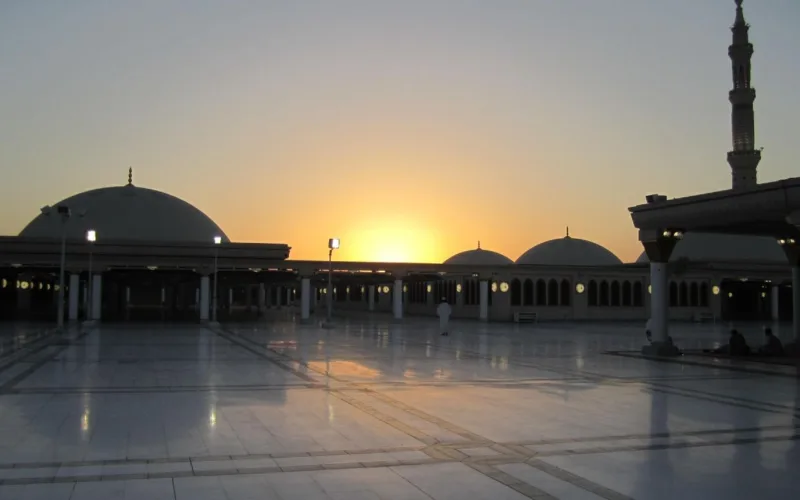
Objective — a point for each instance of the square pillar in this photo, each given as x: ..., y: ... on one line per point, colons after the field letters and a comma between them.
x: 289, y: 291
x: 397, y: 299
x: 484, y: 299
x: 205, y: 297
x: 97, y: 297
x: 371, y: 298
x: 262, y: 297
x: 305, y: 298
x: 796, y: 303
x: 659, y: 302
x: 74, y: 292
x: 775, y: 301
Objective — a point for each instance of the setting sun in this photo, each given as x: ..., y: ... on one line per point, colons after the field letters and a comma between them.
x: 396, y: 239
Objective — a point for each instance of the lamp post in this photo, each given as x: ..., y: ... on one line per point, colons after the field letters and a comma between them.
x: 217, y: 241
x: 333, y: 244
x: 64, y: 213
x: 91, y: 237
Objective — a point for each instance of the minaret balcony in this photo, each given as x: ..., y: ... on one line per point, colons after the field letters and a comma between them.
x: 744, y: 159
x: 742, y: 96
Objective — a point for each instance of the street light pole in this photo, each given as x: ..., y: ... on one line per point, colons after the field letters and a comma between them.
x: 217, y: 241
x: 330, y: 285
x: 333, y: 244
x: 63, y: 264
x: 91, y: 237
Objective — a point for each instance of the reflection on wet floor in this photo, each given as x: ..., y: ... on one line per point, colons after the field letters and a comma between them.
x: 502, y: 411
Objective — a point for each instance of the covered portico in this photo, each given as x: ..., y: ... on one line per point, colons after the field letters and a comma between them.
x: 771, y: 210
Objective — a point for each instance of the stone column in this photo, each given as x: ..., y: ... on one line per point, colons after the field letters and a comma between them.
x: 74, y: 292
x: 289, y: 291
x: 205, y: 297
x: 305, y: 298
x: 262, y: 298
x: 97, y: 297
x: 397, y: 299
x: 775, y: 302
x: 659, y: 301
x: 248, y: 298
x: 371, y: 298
x: 659, y: 244
x: 127, y: 302
x: 796, y: 303
x: 484, y: 299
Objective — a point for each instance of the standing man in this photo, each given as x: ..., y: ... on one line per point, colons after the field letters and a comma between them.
x: 443, y: 311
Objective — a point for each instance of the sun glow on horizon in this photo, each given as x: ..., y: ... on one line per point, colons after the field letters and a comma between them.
x: 395, y: 240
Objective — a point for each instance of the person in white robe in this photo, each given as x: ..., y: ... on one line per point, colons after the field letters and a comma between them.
x: 443, y: 310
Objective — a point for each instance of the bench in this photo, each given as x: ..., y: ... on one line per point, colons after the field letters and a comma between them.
x: 525, y: 317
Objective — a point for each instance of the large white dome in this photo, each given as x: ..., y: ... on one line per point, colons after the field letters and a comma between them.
x: 713, y: 247
x: 568, y: 251
x: 479, y: 257
x: 128, y: 213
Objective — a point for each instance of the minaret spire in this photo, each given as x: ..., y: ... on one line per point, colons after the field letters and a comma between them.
x: 745, y: 157
x: 130, y: 176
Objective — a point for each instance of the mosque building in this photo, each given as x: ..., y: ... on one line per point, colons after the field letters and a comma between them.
x: 156, y: 257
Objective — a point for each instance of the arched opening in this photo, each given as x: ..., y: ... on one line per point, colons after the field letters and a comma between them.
x: 566, y: 292
x: 552, y: 292
x: 683, y: 294
x: 673, y: 294
x: 704, y: 294
x: 527, y: 293
x: 541, y: 293
x: 638, y: 294
x: 592, y: 293
x: 615, y: 293
x: 516, y: 292
x: 626, y: 293
x: 604, y: 293
x: 694, y: 296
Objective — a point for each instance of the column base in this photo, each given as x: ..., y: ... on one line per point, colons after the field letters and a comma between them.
x: 661, y: 349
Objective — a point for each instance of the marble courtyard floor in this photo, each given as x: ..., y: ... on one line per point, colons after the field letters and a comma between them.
x: 377, y: 410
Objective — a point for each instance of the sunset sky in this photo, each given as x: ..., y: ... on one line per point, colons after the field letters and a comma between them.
x: 410, y: 129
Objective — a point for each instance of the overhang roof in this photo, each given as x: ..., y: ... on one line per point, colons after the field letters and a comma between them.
x: 763, y: 210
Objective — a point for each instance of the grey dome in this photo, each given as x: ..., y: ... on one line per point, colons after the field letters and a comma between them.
x: 479, y: 257
x: 128, y: 213
x: 713, y: 247
x: 568, y: 251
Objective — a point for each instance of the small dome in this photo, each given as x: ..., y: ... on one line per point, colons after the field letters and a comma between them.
x: 479, y: 257
x: 713, y: 247
x: 568, y: 251
x: 128, y: 213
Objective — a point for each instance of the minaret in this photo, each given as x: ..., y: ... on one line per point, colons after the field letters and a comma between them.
x: 745, y: 157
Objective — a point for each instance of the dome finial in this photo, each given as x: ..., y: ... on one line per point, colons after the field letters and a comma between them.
x: 479, y: 244
x: 567, y: 232
x: 130, y: 176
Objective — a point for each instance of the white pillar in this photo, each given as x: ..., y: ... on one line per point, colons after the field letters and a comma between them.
x: 204, y: 297
x: 775, y: 303
x: 305, y: 298
x: 74, y: 291
x: 371, y: 298
x: 397, y: 299
x: 262, y: 297
x: 97, y: 296
x: 484, y: 300
x: 796, y: 303
x: 659, y: 301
